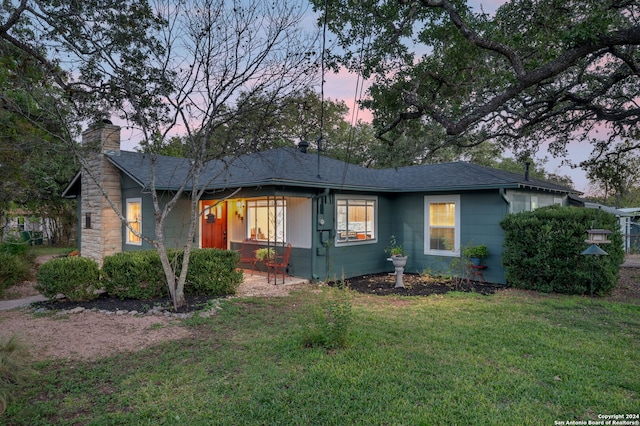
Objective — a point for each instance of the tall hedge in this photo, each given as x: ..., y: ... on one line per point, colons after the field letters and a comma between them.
x: 542, y: 251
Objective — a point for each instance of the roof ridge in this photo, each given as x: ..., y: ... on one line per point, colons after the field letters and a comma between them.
x: 497, y: 173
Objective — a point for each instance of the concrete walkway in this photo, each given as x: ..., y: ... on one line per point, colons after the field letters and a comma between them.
x: 631, y: 261
x: 6, y: 305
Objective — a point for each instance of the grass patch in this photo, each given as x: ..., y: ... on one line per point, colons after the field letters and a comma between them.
x: 44, y: 250
x: 510, y: 358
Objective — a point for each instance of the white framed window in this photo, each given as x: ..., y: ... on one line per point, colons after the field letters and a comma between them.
x: 134, y: 220
x: 267, y: 220
x: 356, y: 219
x: 442, y: 225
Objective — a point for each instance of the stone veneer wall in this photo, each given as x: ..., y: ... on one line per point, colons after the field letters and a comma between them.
x: 104, y: 238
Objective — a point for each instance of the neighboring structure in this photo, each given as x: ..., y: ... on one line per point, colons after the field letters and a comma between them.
x: 633, y: 236
x: 21, y: 224
x: 339, y: 217
x: 625, y: 218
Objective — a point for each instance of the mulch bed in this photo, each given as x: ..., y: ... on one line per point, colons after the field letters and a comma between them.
x: 114, y: 304
x: 383, y: 284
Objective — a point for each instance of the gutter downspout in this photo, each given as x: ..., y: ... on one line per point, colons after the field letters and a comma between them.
x: 316, y: 233
x: 506, y: 199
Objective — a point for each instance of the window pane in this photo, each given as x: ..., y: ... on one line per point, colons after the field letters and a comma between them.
x: 442, y: 225
x: 266, y: 220
x: 134, y: 218
x: 442, y: 239
x: 442, y: 214
x: 355, y: 220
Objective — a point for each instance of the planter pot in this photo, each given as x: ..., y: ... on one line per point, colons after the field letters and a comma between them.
x: 399, y: 263
x: 476, y: 261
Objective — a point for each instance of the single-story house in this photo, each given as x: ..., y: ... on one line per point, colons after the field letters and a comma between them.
x: 339, y: 218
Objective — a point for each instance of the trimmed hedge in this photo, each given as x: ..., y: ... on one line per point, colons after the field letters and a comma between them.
x: 134, y: 275
x: 213, y: 272
x: 542, y: 251
x: 139, y: 274
x: 77, y: 278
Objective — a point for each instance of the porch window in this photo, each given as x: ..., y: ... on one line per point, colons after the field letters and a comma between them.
x: 134, y: 220
x: 356, y: 219
x: 442, y: 224
x: 267, y: 220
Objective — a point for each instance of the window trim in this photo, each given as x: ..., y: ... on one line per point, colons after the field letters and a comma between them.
x: 431, y: 199
x: 128, y: 232
x: 374, y: 240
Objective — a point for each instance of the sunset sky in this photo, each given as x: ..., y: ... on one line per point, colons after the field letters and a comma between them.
x: 342, y: 86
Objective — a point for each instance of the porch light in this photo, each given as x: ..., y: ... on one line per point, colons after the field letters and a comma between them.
x: 240, y: 209
x: 598, y: 236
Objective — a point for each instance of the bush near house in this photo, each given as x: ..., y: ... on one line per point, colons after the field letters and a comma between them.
x: 542, y: 251
x: 134, y: 275
x: 213, y: 272
x: 139, y: 274
x: 77, y: 278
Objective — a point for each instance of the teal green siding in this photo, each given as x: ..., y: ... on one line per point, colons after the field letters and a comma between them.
x: 361, y: 258
x: 480, y: 215
x: 176, y: 224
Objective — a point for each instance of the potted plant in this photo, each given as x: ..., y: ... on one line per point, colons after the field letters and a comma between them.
x: 265, y: 254
x: 395, y: 249
x: 476, y: 253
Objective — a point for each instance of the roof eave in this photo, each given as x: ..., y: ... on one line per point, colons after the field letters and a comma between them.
x: 76, y: 178
x: 125, y: 171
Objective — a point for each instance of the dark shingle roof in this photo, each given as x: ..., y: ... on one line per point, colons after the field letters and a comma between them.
x: 288, y: 166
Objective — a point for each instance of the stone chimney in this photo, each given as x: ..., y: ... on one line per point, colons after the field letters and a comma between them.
x: 102, y: 137
x: 100, y: 227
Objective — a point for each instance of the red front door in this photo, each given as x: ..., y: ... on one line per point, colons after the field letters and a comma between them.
x: 214, y: 234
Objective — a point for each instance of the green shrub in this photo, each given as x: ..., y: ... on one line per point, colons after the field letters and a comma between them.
x: 213, y: 272
x: 542, y: 251
x: 77, y: 278
x: 139, y: 274
x: 134, y: 275
x: 327, y: 325
x: 16, y: 248
x: 13, y: 270
x: 14, y: 369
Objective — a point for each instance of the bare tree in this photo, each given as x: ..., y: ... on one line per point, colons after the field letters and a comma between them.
x: 166, y: 68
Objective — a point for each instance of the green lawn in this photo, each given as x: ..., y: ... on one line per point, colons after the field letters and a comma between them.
x: 44, y: 250
x: 514, y: 358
